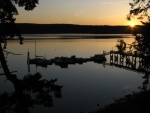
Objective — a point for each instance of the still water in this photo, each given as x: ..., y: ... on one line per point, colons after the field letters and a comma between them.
x: 86, y: 87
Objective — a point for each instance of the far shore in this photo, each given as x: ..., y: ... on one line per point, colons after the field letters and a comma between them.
x: 75, y: 36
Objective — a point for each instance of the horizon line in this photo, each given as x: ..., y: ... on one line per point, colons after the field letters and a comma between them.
x: 74, y: 24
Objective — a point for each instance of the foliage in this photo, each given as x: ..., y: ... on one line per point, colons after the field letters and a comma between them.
x: 22, y: 98
x: 30, y: 90
x: 139, y: 8
x: 121, y: 45
x: 142, y: 42
x: 8, y: 10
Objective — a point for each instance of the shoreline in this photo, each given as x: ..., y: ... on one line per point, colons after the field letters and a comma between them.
x: 133, y: 103
x: 72, y: 36
x: 75, y: 36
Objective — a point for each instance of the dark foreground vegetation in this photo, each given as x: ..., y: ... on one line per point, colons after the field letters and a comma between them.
x: 71, y: 28
x: 136, y: 103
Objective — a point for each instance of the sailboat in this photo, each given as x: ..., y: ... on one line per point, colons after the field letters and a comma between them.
x: 37, y: 60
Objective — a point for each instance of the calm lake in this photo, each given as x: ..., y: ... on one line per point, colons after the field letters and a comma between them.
x: 87, y: 86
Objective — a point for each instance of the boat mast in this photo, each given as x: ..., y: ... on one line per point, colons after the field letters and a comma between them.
x: 35, y: 48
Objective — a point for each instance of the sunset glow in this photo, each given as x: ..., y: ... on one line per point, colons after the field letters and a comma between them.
x: 83, y: 12
x: 132, y: 24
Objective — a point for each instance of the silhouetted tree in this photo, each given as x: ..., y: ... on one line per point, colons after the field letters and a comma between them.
x: 141, y: 44
x: 8, y: 28
x: 121, y: 45
x: 139, y: 8
x: 8, y: 10
x: 21, y: 99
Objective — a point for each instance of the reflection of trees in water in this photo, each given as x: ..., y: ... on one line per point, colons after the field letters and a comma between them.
x: 146, y: 81
x: 30, y: 91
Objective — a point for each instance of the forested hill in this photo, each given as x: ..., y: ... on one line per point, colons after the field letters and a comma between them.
x: 71, y: 28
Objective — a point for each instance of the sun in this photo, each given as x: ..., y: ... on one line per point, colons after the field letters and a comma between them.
x: 132, y: 24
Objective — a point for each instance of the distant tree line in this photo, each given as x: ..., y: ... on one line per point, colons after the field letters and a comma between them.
x: 26, y: 28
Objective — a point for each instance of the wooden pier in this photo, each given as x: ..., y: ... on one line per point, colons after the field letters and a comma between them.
x: 129, y: 60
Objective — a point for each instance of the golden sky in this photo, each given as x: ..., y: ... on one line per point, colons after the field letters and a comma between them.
x: 83, y: 12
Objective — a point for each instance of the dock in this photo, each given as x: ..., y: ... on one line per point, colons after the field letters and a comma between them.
x: 130, y: 60
x: 63, y: 62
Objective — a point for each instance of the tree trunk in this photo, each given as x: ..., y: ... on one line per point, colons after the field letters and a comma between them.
x: 3, y: 63
x: 12, y: 77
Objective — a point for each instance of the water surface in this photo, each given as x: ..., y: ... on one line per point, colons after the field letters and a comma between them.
x: 84, y: 86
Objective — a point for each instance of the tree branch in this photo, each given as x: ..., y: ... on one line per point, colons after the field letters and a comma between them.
x: 11, y: 52
x: 10, y: 72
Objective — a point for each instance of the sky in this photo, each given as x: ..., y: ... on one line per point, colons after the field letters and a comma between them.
x: 83, y: 12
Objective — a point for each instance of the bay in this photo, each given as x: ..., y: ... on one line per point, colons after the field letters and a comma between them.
x: 86, y: 87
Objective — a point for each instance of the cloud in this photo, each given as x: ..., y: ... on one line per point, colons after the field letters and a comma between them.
x: 127, y: 1
x: 111, y: 3
x: 107, y: 3
x: 102, y: 17
x: 70, y: 22
x: 78, y: 13
x: 110, y: 16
